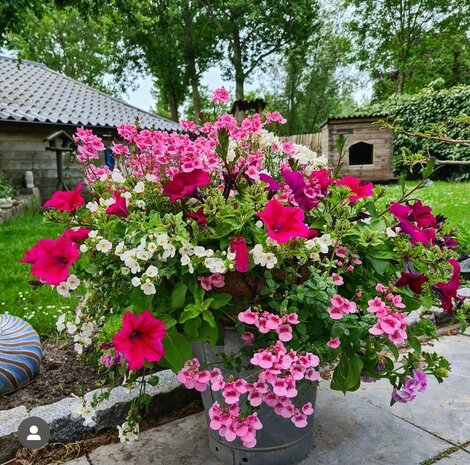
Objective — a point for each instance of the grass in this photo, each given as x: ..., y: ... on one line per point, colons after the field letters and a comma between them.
x: 40, y: 306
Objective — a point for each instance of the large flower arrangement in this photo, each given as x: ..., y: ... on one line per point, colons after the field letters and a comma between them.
x: 228, y: 225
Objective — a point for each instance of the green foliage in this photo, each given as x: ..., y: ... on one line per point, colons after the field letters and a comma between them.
x: 435, y: 112
x: 6, y: 187
x: 68, y: 42
x: 406, y: 45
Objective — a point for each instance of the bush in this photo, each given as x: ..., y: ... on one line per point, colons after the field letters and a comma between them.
x: 6, y: 187
x: 432, y: 111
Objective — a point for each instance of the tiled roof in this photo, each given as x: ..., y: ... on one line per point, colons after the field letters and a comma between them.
x: 31, y: 92
x: 356, y: 116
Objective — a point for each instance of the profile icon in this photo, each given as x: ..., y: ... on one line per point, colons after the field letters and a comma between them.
x: 34, y: 433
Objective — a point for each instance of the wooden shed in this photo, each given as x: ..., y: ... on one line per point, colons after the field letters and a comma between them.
x: 369, y: 146
x: 39, y: 105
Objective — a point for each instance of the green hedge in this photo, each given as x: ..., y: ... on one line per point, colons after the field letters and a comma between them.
x: 417, y: 112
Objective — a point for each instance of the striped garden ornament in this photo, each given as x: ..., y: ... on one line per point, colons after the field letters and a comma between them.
x: 20, y: 353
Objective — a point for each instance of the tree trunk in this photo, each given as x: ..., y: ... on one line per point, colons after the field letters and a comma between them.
x: 191, y: 65
x: 238, y: 65
x: 401, y: 82
x: 455, y: 67
x: 173, y: 105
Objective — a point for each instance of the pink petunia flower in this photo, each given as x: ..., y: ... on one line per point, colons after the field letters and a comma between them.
x: 448, y: 291
x: 283, y: 223
x: 140, y: 339
x: 185, y: 184
x: 119, y: 207
x: 67, y: 201
x: 51, y: 259
x: 239, y: 248
x: 359, y: 189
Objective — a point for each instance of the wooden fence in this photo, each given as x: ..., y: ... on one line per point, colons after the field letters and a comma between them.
x: 312, y: 141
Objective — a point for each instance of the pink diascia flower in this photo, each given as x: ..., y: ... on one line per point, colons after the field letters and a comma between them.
x: 283, y: 223
x: 220, y: 95
x: 119, y: 207
x: 186, y: 184
x: 359, y: 189
x: 140, y: 339
x: 333, y: 343
x: 51, y: 259
x: 67, y: 201
x: 340, y: 306
x: 275, y: 117
x: 216, y: 280
x: 239, y: 248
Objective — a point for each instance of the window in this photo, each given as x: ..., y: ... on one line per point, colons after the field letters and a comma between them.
x: 361, y: 153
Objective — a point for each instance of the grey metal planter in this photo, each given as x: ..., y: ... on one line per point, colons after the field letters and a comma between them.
x: 280, y: 442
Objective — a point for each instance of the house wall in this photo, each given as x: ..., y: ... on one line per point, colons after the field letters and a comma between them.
x: 22, y: 148
x: 357, y: 130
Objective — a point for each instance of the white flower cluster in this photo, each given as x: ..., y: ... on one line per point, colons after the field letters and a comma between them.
x: 318, y: 244
x: 310, y: 159
x: 87, y: 412
x: 81, y: 330
x: 192, y: 255
x: 65, y: 287
x: 128, y: 433
x: 260, y: 257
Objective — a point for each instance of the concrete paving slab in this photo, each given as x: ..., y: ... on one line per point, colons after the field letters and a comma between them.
x: 444, y: 409
x: 457, y: 458
x: 79, y: 461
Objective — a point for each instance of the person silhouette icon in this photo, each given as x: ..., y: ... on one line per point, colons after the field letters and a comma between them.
x: 33, y: 436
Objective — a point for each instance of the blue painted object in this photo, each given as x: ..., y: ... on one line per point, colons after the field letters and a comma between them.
x: 20, y: 353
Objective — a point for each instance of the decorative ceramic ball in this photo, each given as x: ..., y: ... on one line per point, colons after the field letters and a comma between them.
x: 20, y: 353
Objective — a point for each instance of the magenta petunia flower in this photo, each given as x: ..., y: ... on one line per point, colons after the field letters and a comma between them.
x: 283, y: 223
x: 239, y: 248
x: 298, y: 185
x: 360, y: 189
x: 448, y: 291
x: 273, y: 185
x: 51, y: 259
x: 140, y: 339
x: 186, y: 184
x: 198, y: 216
x: 322, y: 178
x: 415, y: 220
x: 77, y: 234
x: 119, y: 207
x: 414, y: 281
x: 67, y: 201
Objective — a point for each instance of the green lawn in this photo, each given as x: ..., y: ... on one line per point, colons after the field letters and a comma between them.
x: 41, y: 305
x: 37, y: 305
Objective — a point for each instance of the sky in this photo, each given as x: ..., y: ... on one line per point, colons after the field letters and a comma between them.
x: 141, y: 97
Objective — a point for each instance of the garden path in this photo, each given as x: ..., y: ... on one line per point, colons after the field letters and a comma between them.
x: 356, y: 429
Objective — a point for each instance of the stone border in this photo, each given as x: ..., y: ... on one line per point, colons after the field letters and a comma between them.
x: 167, y: 395
x: 28, y: 201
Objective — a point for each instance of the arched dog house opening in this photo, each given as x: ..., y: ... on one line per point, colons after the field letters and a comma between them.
x: 361, y: 153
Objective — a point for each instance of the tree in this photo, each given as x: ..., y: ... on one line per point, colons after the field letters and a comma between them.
x: 253, y: 30
x: 171, y: 40
x: 312, y: 85
x: 14, y: 14
x: 66, y: 42
x: 397, y: 39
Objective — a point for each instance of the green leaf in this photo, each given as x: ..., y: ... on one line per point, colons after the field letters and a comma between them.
x: 178, y: 296
x: 167, y: 319
x: 153, y: 380
x: 379, y: 265
x: 191, y: 327
x: 191, y: 311
x: 219, y: 300
x: 140, y: 301
x: 414, y: 344
x: 207, y: 316
x: 393, y: 349
x: 346, y: 376
x: 177, y: 350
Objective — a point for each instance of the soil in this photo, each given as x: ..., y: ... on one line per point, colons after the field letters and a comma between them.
x: 61, y: 374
